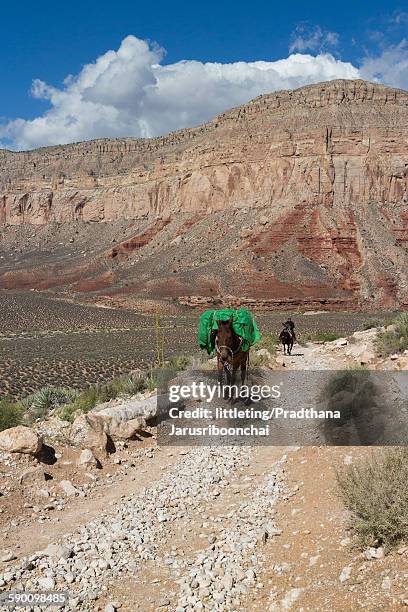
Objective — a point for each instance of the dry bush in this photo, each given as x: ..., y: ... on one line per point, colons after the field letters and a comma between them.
x: 376, y: 493
x: 11, y: 414
x: 394, y: 340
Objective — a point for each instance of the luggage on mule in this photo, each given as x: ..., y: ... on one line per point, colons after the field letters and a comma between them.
x: 243, y: 324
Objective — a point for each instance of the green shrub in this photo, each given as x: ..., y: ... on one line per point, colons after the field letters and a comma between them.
x: 40, y: 403
x: 98, y: 394
x: 11, y: 413
x: 87, y: 399
x: 376, y: 494
x: 68, y: 412
x: 394, y: 340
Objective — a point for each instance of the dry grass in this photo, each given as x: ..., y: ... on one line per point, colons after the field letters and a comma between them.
x: 376, y: 494
x: 11, y: 414
x: 394, y: 340
x: 320, y: 336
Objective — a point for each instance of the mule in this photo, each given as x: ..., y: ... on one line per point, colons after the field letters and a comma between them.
x: 230, y: 356
x: 286, y: 339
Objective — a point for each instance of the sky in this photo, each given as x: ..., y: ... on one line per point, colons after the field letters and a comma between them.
x: 82, y: 70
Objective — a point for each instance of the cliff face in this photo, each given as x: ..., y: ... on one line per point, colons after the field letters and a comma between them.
x: 318, y: 175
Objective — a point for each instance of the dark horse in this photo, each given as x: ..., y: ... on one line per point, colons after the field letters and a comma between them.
x: 286, y: 338
x: 230, y: 356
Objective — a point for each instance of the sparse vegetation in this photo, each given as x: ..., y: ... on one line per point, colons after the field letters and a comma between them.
x: 371, y: 323
x: 98, y: 394
x: 269, y: 342
x: 11, y: 413
x: 39, y: 404
x: 180, y: 362
x: 120, y: 387
x: 350, y: 391
x: 376, y: 494
x: 320, y: 336
x: 395, y: 338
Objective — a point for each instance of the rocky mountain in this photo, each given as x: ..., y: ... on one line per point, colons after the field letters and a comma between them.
x: 298, y: 197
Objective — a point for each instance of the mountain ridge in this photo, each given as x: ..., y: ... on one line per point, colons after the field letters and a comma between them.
x: 315, y: 177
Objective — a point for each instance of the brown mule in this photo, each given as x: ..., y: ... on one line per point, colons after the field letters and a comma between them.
x: 230, y: 356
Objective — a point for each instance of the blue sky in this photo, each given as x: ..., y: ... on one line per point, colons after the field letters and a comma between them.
x: 141, y: 89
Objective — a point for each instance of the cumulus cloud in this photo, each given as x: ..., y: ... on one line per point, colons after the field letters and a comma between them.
x: 130, y: 92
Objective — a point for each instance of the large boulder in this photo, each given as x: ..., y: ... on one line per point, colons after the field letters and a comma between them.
x: 20, y: 439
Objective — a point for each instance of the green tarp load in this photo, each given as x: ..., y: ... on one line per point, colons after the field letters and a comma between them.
x: 243, y: 324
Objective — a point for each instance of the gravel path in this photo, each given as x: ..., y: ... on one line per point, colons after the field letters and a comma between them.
x: 137, y: 530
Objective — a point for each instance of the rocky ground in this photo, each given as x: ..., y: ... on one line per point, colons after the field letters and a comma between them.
x: 211, y: 528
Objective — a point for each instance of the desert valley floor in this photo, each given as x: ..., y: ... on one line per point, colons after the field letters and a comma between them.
x: 45, y: 340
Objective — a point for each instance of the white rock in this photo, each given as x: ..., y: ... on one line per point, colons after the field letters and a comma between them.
x: 68, y: 488
x: 57, y: 551
x: 87, y: 459
x: 20, y: 440
x: 374, y: 553
x: 345, y: 573
x: 290, y: 598
x: 7, y: 556
x: 48, y: 584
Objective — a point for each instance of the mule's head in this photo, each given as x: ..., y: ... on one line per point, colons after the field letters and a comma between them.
x: 225, y: 338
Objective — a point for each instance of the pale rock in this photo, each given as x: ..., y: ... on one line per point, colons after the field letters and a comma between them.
x: 68, y: 488
x: 20, y: 439
x: 345, y: 573
x: 87, y: 459
x: 33, y: 476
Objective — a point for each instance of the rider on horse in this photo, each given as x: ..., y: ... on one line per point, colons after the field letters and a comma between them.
x: 290, y: 326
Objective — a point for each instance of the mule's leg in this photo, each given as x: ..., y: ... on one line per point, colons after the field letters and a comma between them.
x: 234, y: 367
x: 243, y: 371
x: 220, y: 368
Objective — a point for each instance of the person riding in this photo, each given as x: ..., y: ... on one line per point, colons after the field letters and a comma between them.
x: 290, y: 326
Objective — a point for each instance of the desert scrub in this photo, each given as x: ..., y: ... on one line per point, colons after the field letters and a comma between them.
x: 321, y: 337
x: 394, y: 340
x: 39, y: 404
x: 98, y: 394
x: 355, y: 394
x: 11, y: 413
x: 268, y: 341
x: 179, y: 362
x: 371, y: 323
x: 376, y: 494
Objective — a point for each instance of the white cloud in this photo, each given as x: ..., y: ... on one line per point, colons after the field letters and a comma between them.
x: 307, y: 37
x: 129, y: 92
x: 389, y: 67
